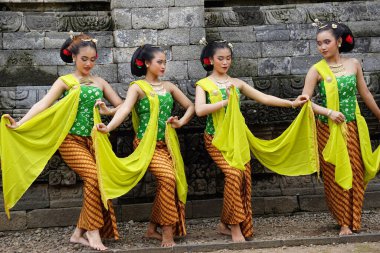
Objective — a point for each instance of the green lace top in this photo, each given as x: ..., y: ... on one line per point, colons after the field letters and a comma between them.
x: 85, y: 119
x: 347, y: 97
x: 210, y: 129
x: 143, y: 110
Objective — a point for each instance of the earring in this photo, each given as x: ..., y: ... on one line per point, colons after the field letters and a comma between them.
x: 212, y: 63
x: 339, y: 45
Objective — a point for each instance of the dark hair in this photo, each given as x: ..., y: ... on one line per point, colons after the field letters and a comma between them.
x: 143, y: 54
x: 72, y: 46
x: 340, y: 30
x: 209, y: 51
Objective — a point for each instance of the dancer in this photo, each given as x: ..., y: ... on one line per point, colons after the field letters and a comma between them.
x: 151, y: 101
x: 66, y: 126
x: 346, y: 156
x: 229, y: 141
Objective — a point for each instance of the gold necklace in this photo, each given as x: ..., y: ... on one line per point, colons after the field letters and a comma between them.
x: 222, y: 82
x: 337, y: 68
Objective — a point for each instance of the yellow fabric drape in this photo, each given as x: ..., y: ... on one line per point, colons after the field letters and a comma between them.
x: 293, y: 153
x: 117, y: 176
x: 25, y: 151
x: 336, y: 151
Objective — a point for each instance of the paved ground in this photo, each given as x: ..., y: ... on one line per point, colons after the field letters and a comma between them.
x: 294, y: 230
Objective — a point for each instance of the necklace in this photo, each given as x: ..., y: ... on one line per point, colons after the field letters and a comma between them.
x: 157, y: 87
x: 337, y: 68
x: 223, y: 81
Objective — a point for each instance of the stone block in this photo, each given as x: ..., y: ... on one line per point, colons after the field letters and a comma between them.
x: 136, y: 212
x: 55, y: 39
x: 371, y: 200
x: 362, y: 45
x: 190, y: 52
x: 35, y: 197
x: 124, y: 73
x: 272, y: 35
x: 23, y: 40
x: 20, y: 75
x: 1, y: 41
x: 258, y: 206
x: 174, y: 37
x: 107, y: 72
x: 265, y: 185
x: 10, y: 21
x: 302, y: 32
x: 122, y: 55
x: 41, y: 21
x: 243, y: 67
x: 281, y: 205
x: 186, y: 17
x: 105, y: 56
x: 60, y: 196
x: 207, y: 208
x: 57, y: 217
x: 365, y: 28
x: 135, y: 38
x: 313, y: 203
x: 46, y: 57
x: 196, y: 71
x: 236, y: 34
x: 247, y: 50
x: 105, y: 39
x: 17, y: 221
x: 176, y: 70
x: 302, y: 185
x: 141, y: 3
x: 189, y: 3
x: 371, y: 62
x: 374, y: 45
x: 150, y: 18
x: 301, y: 64
x: 274, y: 66
x: 122, y: 19
x: 284, y: 48
x: 196, y: 34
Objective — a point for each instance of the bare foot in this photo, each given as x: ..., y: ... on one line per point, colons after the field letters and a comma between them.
x: 167, y: 237
x: 77, y: 237
x: 95, y: 240
x: 223, y: 229
x: 152, y: 233
x: 344, y: 230
x: 236, y: 234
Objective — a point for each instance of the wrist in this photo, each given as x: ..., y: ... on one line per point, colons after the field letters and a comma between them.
x: 329, y: 112
x: 292, y: 104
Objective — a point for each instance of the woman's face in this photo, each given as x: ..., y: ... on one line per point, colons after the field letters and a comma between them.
x: 157, y: 65
x: 85, y: 60
x: 222, y: 60
x: 327, y: 45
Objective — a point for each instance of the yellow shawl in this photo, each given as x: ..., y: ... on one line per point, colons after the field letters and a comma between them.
x: 117, y: 176
x: 25, y: 151
x: 336, y: 151
x: 293, y: 153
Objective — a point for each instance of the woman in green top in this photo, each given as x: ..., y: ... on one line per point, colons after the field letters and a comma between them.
x: 216, y: 56
x: 332, y: 39
x: 168, y: 212
x: 76, y: 150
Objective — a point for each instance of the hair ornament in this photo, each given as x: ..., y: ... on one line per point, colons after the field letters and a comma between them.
x: 203, y: 41
x: 139, y: 63
x: 71, y: 33
x: 93, y: 40
x: 318, y: 24
x: 66, y: 52
x: 230, y: 45
x: 334, y: 26
x: 349, y: 39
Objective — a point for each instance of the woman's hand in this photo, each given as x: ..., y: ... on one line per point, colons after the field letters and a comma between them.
x: 103, y: 109
x: 337, y: 117
x: 13, y: 124
x: 102, y: 128
x: 300, y: 101
x: 175, y: 122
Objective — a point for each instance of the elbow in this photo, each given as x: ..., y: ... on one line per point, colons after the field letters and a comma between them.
x: 199, y: 112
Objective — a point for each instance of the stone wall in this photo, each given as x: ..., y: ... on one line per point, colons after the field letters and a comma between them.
x: 273, y: 48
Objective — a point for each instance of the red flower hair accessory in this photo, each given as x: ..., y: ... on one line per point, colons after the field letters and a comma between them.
x: 139, y: 63
x: 66, y: 52
x: 349, y: 39
x: 206, y: 61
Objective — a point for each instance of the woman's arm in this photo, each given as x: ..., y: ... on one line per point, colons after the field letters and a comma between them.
x: 123, y: 111
x: 364, y: 92
x: 111, y: 96
x: 203, y: 109
x: 184, y: 102
x: 55, y: 92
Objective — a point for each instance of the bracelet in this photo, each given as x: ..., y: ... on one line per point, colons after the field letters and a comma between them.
x: 329, y: 113
x: 293, y: 104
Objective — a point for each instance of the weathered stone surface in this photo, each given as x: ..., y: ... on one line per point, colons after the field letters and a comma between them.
x: 190, y: 52
x: 36, y: 196
x: 28, y: 40
x: 140, y: 3
x: 300, y: 65
x: 136, y: 212
x: 189, y: 3
x: 274, y: 66
x: 247, y: 50
x: 207, y: 208
x: 10, y: 21
x: 362, y: 45
x: 150, y: 18
x: 17, y: 221
x: 283, y: 204
x: 237, y: 34
x: 122, y: 19
x: 57, y: 217
x: 302, y: 32
x: 41, y: 21
x: 258, y: 205
x: 122, y: 55
x: 196, y: 34
x: 243, y: 67
x: 371, y: 200
x: 174, y: 37
x: 195, y: 69
x: 285, y: 48
x: 186, y: 17
x: 20, y: 75
x: 265, y: 185
x: 135, y: 38
x: 313, y: 203
x: 374, y: 45
x: 124, y: 73
x: 85, y: 21
x: 371, y: 62
x: 176, y: 70
x: 272, y: 35
x: 65, y: 196
x: 55, y: 39
x: 365, y: 28
x: 302, y: 185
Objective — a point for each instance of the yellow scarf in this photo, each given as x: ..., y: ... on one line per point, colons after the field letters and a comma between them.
x: 335, y: 151
x: 25, y: 151
x: 293, y: 153
x: 117, y: 176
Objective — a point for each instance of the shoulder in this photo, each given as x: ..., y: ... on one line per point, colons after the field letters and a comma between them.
x: 353, y: 61
x: 169, y: 86
x: 238, y: 83
x: 100, y: 81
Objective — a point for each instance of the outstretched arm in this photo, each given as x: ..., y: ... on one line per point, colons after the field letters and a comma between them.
x: 203, y: 109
